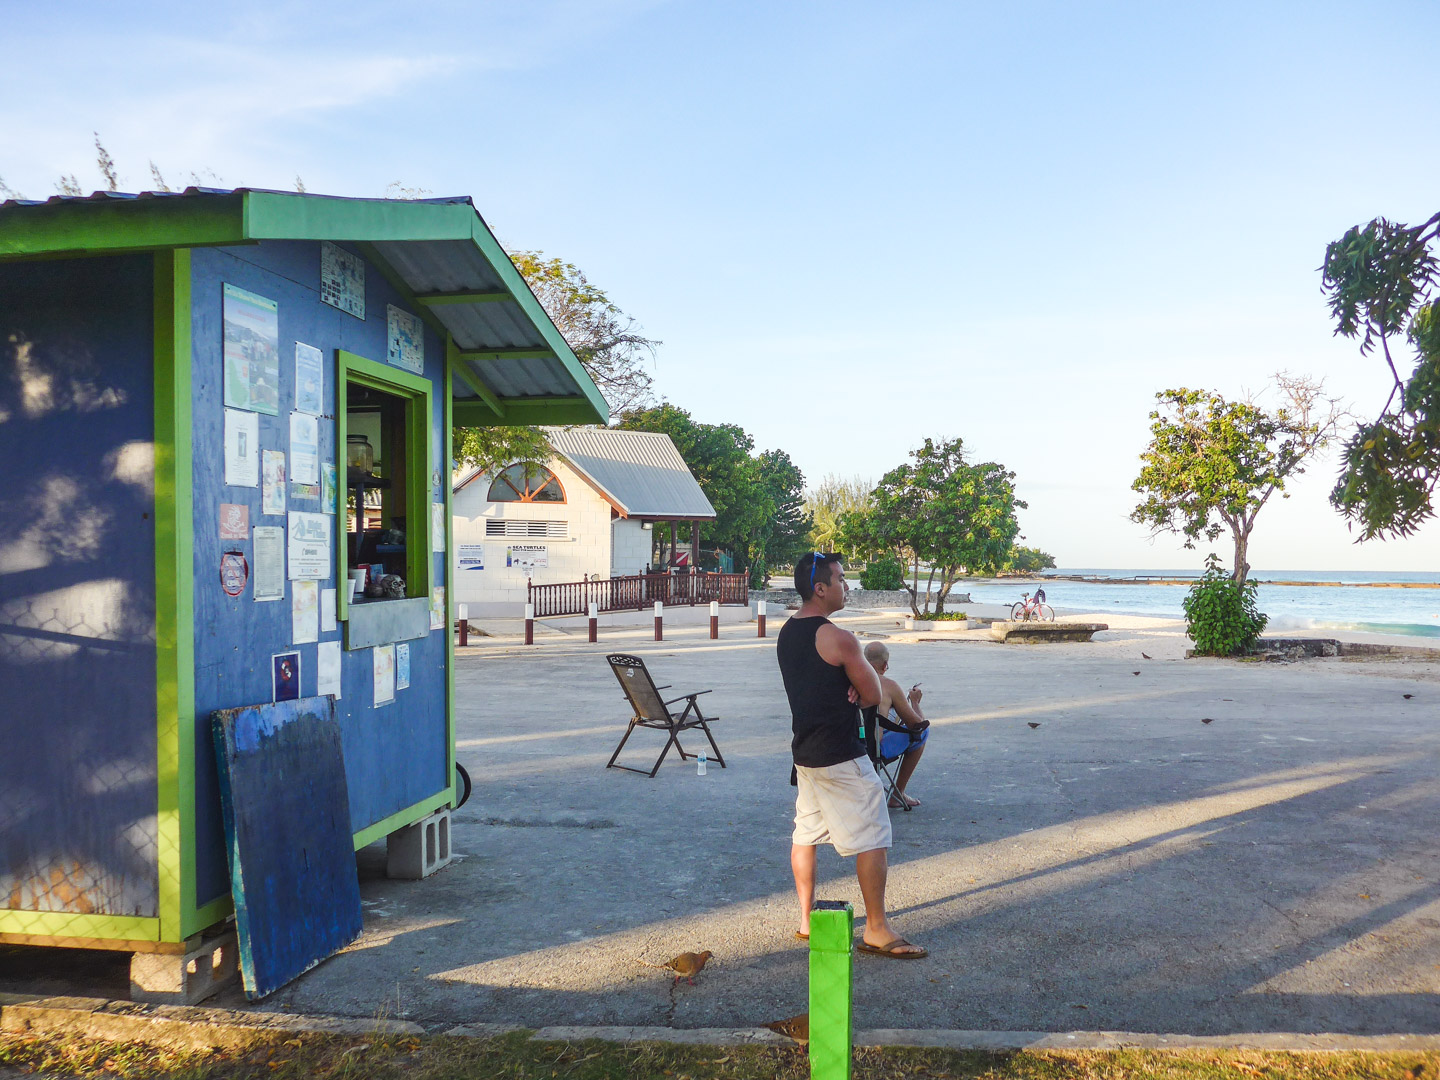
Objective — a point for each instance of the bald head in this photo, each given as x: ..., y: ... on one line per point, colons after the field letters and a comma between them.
x: 877, y: 654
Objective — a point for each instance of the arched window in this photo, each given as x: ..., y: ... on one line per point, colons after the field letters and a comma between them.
x: 524, y: 482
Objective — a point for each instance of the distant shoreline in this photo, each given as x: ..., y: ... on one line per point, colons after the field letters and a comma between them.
x: 1141, y: 579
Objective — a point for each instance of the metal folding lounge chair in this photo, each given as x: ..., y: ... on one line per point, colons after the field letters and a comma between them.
x: 887, y: 768
x: 653, y: 712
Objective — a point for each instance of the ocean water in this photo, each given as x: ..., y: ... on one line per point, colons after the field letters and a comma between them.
x: 1356, y: 604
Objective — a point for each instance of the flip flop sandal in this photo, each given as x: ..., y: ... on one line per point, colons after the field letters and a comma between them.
x: 801, y: 937
x: 888, y: 950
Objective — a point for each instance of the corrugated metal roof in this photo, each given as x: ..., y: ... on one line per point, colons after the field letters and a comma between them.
x: 447, y: 252
x: 641, y: 471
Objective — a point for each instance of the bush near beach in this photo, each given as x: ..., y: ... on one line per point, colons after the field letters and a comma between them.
x: 1220, y: 613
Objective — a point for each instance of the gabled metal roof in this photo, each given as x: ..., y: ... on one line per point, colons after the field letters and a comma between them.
x: 511, y: 365
x: 640, y: 473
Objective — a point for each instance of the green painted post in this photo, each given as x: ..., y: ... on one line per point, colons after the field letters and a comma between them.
x: 832, y: 989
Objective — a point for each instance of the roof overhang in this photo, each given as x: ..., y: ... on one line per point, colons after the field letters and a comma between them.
x: 510, y: 366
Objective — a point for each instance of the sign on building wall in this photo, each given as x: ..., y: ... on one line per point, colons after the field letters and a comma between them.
x: 472, y: 557
x: 528, y: 556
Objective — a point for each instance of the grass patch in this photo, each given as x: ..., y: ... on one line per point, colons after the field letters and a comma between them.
x: 944, y: 616
x: 517, y: 1056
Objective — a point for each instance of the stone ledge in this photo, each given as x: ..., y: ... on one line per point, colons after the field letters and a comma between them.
x: 1036, y: 632
x: 178, y: 1027
x: 192, y: 1028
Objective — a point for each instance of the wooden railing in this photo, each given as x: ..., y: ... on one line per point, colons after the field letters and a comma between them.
x: 638, y: 592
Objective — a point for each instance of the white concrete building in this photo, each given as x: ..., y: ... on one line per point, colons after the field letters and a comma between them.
x: 588, y: 512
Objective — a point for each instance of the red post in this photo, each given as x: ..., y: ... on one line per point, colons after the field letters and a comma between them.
x: 760, y: 618
x: 594, y: 622
x: 659, y: 621
x: 714, y: 621
x: 529, y: 624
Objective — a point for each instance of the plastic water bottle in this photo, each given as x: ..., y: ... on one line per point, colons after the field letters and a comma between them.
x: 700, y: 764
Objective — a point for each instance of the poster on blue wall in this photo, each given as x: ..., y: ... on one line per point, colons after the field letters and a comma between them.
x: 407, y: 339
x: 252, y: 352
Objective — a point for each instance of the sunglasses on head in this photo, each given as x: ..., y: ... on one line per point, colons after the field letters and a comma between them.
x: 815, y: 559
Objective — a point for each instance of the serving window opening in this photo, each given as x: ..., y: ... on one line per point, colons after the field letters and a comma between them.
x: 385, y: 546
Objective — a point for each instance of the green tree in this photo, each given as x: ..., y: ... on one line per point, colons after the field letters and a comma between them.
x: 1213, y: 464
x: 1382, y: 280
x: 719, y: 457
x: 942, y: 510
x: 827, y: 502
x: 785, y: 535
x: 1027, y: 560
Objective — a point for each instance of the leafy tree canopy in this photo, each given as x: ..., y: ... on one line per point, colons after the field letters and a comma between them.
x: 1381, y: 282
x: 756, y: 499
x: 1027, y: 560
x: 941, y: 510
x: 830, y: 500
x: 1213, y: 464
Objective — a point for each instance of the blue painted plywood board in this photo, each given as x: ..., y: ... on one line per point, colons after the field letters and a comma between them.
x: 287, y: 827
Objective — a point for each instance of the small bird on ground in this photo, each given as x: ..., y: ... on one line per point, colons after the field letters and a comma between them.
x: 1032, y: 723
x: 1207, y: 719
x: 687, y: 965
x: 797, y: 1027
x: 1147, y: 656
x: 1134, y: 673
x: 1408, y: 696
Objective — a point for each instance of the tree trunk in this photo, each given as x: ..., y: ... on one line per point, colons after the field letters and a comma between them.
x: 947, y: 579
x: 1242, y: 568
x: 929, y: 588
x: 914, y: 587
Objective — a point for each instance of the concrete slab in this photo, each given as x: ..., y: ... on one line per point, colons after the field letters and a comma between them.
x: 1090, y: 852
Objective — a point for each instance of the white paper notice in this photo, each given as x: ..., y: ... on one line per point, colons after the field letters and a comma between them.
x: 304, y: 448
x: 269, y: 562
x: 242, y: 448
x: 327, y: 667
x: 309, y: 379
x: 327, y: 611
x: 305, y: 612
x: 272, y: 489
x: 384, y: 674
x: 309, y: 546
x: 437, y: 526
x: 402, y: 666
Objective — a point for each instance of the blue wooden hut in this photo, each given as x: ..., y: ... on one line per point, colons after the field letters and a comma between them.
x: 215, y: 405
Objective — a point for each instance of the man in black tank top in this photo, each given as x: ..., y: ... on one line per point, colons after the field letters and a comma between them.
x: 839, y: 799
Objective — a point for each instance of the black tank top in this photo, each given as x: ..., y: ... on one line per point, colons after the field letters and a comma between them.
x: 825, y: 723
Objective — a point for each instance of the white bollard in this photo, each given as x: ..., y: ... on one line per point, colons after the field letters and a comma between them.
x: 714, y: 620
x: 594, y: 614
x: 759, y: 618
x: 529, y: 624
x: 659, y: 621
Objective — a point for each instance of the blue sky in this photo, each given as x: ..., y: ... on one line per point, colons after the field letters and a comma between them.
x: 1011, y: 223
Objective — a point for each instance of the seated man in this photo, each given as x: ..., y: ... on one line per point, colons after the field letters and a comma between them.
x: 903, y: 708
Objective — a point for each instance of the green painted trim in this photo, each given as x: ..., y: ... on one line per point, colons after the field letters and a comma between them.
x: 456, y: 366
x: 282, y: 215
x: 522, y: 411
x: 444, y: 298
x: 515, y: 282
x: 507, y: 354
x: 174, y: 593
x: 197, y: 919
x: 415, y: 390
x: 408, y: 816
x: 446, y: 472
x: 69, y: 924
x: 114, y: 225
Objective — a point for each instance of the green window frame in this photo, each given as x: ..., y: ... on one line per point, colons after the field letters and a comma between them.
x: 415, y: 392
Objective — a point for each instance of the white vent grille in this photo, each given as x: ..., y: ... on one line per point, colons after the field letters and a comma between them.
x: 512, y: 527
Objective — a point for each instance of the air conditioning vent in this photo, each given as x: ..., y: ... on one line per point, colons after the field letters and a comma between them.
x: 511, y: 527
